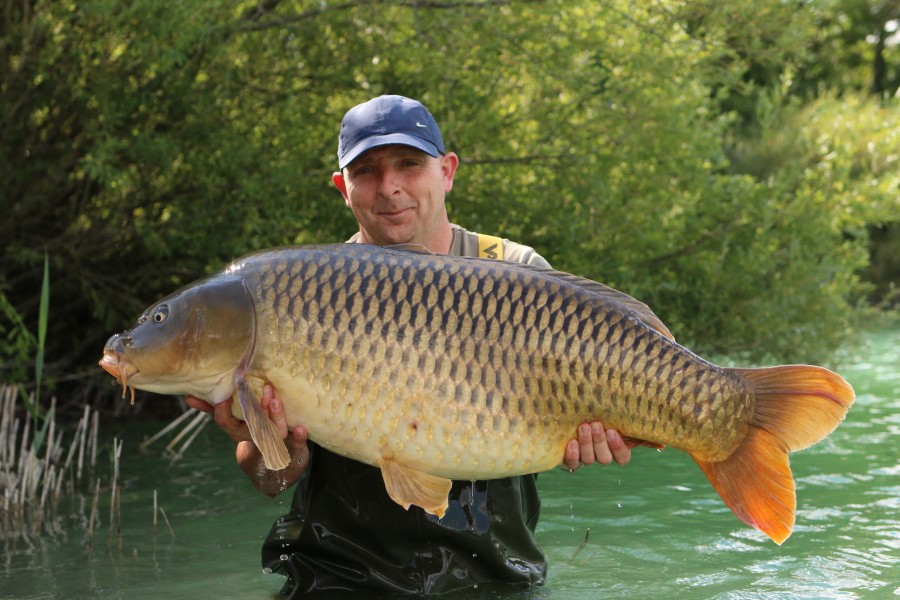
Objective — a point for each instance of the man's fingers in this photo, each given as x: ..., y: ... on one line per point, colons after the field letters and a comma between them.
x: 276, y: 409
x: 298, y: 436
x: 276, y: 415
x: 572, y: 457
x: 296, y: 443
x: 224, y: 418
x: 235, y: 428
x: 600, y: 450
x: 619, y: 450
x: 201, y: 405
x: 585, y: 444
x: 267, y: 395
x: 594, y: 443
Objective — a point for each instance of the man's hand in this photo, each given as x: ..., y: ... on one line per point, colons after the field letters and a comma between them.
x: 221, y: 412
x: 595, y: 443
x: 248, y: 455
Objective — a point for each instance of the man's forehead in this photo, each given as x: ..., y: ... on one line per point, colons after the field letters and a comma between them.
x: 390, y: 150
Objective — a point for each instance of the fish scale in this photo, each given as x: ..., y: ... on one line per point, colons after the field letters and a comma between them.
x: 408, y: 321
x: 436, y: 368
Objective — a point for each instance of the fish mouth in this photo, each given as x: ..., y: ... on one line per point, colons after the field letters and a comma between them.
x: 115, y: 363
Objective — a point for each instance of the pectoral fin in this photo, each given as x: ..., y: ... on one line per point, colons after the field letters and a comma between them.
x: 408, y: 486
x: 262, y: 430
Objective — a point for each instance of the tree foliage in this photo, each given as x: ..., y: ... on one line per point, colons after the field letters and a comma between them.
x: 723, y: 162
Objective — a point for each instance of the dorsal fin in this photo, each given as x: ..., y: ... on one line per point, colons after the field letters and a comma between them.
x: 629, y: 304
x: 643, y: 311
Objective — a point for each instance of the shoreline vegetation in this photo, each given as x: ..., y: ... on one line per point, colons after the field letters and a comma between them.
x: 50, y: 482
x: 732, y: 165
x: 49, y: 473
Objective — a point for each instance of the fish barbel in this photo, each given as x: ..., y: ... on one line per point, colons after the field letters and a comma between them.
x: 435, y: 367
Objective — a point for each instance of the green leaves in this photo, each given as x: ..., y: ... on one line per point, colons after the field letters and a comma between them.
x: 43, y: 316
x: 721, y: 161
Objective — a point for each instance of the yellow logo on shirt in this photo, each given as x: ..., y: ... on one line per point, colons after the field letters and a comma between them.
x: 490, y: 246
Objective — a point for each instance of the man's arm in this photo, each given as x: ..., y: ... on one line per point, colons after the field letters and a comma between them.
x: 248, y: 456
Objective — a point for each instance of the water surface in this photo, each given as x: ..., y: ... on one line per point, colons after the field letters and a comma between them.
x: 656, y: 527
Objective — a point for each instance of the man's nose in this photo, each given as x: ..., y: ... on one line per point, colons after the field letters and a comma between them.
x: 389, y: 182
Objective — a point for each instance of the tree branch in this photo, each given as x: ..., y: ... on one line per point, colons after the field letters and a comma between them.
x: 262, y: 8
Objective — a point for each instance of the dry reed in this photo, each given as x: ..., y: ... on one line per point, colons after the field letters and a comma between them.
x: 36, y: 469
x: 39, y: 469
x: 196, y: 421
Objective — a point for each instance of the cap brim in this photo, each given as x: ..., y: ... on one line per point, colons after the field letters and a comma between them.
x: 401, y: 139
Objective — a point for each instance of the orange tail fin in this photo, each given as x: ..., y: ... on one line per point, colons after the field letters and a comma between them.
x: 796, y: 406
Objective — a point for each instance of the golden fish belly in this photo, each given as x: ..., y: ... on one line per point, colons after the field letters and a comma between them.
x: 474, y: 369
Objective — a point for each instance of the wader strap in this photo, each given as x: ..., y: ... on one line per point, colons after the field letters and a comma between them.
x: 490, y: 246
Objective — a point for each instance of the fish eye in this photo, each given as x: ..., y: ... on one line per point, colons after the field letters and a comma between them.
x: 159, y: 315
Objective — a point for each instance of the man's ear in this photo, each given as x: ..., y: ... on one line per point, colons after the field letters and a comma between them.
x: 337, y: 178
x: 449, y: 163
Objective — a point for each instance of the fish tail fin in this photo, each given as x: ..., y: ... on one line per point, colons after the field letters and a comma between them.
x: 799, y: 404
x: 755, y: 482
x: 796, y: 406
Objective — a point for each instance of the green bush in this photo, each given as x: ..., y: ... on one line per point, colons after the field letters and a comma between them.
x: 669, y: 150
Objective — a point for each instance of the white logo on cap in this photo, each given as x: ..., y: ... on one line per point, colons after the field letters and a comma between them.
x: 420, y: 125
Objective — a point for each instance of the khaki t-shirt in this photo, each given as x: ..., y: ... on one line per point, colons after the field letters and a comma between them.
x: 467, y: 243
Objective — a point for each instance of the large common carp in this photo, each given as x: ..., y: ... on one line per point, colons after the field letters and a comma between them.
x: 435, y: 367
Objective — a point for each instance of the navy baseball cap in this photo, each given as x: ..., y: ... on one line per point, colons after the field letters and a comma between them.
x: 388, y: 120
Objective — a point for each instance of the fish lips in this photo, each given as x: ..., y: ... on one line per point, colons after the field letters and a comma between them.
x: 116, y: 363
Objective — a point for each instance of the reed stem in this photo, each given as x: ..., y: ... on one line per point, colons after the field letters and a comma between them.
x: 33, y: 474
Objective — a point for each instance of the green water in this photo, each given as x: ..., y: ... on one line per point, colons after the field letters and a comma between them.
x: 657, y: 529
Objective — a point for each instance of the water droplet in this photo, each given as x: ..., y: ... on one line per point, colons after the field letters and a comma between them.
x: 475, y: 586
x: 619, y: 505
x: 283, y: 557
x: 267, y: 571
x: 475, y: 555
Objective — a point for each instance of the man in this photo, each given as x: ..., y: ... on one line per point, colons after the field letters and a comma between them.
x: 343, y: 531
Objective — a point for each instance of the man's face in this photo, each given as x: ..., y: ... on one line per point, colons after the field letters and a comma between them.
x: 397, y: 193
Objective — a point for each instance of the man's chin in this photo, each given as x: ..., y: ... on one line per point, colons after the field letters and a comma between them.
x: 396, y: 231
